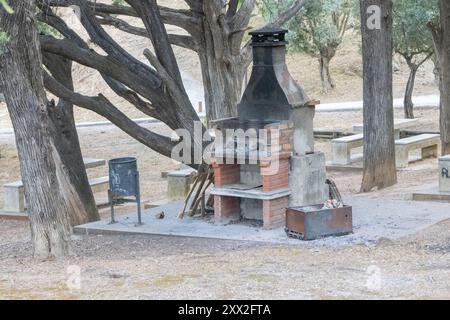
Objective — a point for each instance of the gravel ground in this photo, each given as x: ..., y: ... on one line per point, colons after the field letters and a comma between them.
x: 137, y: 267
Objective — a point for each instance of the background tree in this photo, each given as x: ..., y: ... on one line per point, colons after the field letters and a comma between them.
x: 21, y: 81
x: 412, y: 40
x: 5, y: 5
x: 440, y: 29
x: 377, y: 50
x: 76, y: 184
x: 214, y: 30
x: 318, y: 29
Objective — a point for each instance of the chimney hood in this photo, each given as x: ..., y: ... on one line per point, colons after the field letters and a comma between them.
x: 271, y: 93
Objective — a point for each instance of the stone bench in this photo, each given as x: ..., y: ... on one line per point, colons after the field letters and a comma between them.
x: 179, y: 183
x: 342, y: 148
x: 399, y: 124
x: 14, y: 196
x: 93, y: 163
x: 427, y: 143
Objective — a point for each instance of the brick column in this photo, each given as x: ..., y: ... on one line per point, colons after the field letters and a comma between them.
x: 275, y: 178
x: 225, y: 174
x: 226, y: 208
x: 274, y: 213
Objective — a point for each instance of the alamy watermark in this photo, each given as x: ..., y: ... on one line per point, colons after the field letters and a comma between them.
x: 229, y: 146
x: 73, y: 277
x: 373, y: 281
x: 374, y: 18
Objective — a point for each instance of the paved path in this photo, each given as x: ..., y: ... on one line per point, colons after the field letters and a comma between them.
x: 431, y: 101
x: 373, y: 219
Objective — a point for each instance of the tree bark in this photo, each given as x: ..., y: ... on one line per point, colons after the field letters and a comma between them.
x: 379, y: 143
x: 325, y: 75
x: 215, y: 30
x: 444, y: 59
x: 223, y: 85
x: 221, y: 62
x: 407, y: 103
x: 64, y: 134
x: 40, y: 164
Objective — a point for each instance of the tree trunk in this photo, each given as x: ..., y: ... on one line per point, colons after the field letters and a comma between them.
x: 223, y: 86
x: 444, y: 58
x: 65, y: 137
x: 408, y: 104
x: 222, y: 68
x: 40, y: 164
x: 436, y: 69
x: 379, y: 143
x: 325, y: 76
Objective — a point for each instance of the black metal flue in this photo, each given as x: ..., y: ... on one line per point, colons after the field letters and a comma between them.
x: 271, y: 93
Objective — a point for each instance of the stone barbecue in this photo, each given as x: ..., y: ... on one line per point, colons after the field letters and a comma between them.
x: 264, y: 159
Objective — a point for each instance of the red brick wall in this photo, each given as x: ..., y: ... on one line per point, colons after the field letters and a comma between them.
x: 226, y: 207
x: 274, y: 213
x: 282, y: 134
x: 225, y: 174
x: 276, y: 179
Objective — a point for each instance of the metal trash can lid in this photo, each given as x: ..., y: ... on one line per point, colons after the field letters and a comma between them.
x: 122, y: 160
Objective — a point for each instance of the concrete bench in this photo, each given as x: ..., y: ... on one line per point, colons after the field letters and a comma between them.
x: 427, y: 143
x: 399, y: 124
x: 93, y: 163
x: 342, y: 148
x: 14, y: 196
x: 179, y: 183
x: 99, y: 184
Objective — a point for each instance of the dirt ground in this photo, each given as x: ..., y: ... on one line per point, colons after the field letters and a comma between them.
x: 151, y: 267
x: 136, y: 267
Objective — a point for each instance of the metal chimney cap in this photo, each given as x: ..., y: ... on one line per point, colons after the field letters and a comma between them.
x: 268, y: 36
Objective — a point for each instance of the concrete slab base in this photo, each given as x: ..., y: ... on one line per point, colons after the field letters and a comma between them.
x: 431, y: 194
x: 343, y: 168
x: 373, y: 220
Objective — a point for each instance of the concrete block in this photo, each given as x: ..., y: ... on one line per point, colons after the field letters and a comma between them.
x: 341, y: 154
x: 444, y: 173
x: 179, y: 184
x: 342, y: 149
x: 303, y: 119
x: 14, y: 197
x: 251, y: 209
x: 250, y: 175
x: 401, y: 158
x: 307, y: 180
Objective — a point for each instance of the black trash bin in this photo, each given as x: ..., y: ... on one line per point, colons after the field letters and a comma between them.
x: 124, y: 182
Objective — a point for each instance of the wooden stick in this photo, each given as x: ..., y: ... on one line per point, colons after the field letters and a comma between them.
x: 181, y: 214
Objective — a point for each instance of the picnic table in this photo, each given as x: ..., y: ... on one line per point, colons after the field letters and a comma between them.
x: 399, y: 124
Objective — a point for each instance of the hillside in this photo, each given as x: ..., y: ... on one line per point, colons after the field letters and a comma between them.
x: 346, y: 70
